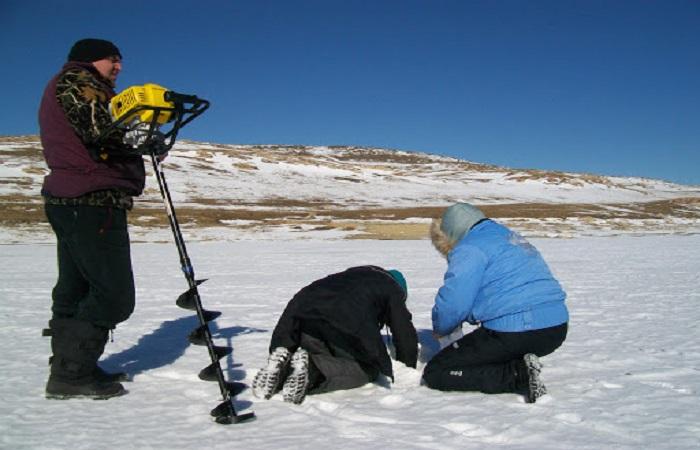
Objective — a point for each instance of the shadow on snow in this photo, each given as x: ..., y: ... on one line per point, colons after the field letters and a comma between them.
x: 166, y: 344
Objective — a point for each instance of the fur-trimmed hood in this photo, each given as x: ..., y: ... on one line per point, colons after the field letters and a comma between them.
x: 440, y: 241
x: 453, y: 225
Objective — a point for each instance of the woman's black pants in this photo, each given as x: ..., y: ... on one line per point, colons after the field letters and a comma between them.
x: 489, y: 361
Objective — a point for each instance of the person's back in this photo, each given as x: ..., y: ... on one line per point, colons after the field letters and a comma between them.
x: 338, y: 319
x: 356, y: 304
x: 514, y: 288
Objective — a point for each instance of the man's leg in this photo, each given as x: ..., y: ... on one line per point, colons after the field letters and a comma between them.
x: 100, y: 246
x: 94, y: 292
x: 71, y: 286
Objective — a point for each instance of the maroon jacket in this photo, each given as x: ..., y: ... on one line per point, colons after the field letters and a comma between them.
x: 73, y: 172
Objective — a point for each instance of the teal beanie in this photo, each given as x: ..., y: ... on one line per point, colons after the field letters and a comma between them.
x: 398, y: 276
x: 458, y: 219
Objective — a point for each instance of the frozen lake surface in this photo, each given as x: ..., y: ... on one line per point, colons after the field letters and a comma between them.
x: 627, y: 377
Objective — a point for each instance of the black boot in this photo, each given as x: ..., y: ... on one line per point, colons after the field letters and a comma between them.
x: 99, y: 373
x: 77, y: 345
x: 102, y: 375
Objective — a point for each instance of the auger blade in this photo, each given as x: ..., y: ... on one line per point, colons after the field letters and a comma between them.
x: 222, y: 351
x: 210, y: 373
x: 186, y: 300
x: 226, y: 415
x: 210, y: 315
x: 198, y: 336
x: 223, y: 409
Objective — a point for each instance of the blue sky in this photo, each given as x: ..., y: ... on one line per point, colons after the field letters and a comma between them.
x: 609, y: 87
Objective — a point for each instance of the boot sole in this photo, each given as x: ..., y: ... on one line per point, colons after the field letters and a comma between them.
x: 536, y: 387
x: 297, y: 383
x: 267, y: 382
x: 84, y: 396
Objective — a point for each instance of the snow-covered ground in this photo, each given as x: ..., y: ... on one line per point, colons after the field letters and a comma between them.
x: 627, y: 377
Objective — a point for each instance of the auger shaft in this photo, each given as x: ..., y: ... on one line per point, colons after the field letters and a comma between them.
x: 225, y: 412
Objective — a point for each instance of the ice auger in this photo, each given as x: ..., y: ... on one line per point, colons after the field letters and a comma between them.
x: 142, y: 111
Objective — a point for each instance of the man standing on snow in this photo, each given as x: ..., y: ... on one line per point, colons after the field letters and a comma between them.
x: 89, y: 188
x: 329, y: 335
x: 499, y: 281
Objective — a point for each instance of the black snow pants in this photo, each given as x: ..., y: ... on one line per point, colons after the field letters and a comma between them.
x: 95, y: 280
x: 489, y: 361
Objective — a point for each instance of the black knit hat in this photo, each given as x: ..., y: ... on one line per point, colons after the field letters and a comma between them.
x: 91, y: 50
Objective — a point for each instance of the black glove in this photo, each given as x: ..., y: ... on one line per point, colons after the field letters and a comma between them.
x: 149, y: 144
x: 155, y: 145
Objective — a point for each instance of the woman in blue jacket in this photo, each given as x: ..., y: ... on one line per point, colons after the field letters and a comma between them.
x: 497, y: 280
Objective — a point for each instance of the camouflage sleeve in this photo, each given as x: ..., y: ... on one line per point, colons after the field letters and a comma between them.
x: 86, y: 106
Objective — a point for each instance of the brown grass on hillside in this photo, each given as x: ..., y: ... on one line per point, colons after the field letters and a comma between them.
x: 16, y: 153
x: 19, y: 139
x: 555, y: 177
x: 20, y: 210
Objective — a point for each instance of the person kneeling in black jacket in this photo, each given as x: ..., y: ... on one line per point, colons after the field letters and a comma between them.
x: 329, y: 335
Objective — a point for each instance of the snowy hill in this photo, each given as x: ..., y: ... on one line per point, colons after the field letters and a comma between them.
x: 236, y: 192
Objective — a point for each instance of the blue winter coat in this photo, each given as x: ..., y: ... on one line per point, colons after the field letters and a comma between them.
x: 496, y: 278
